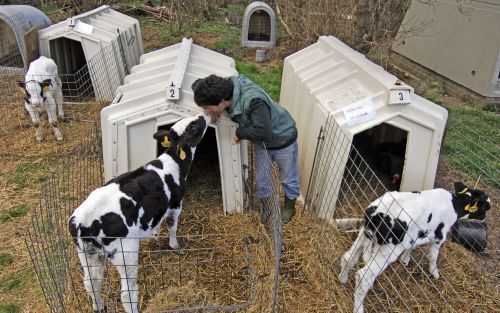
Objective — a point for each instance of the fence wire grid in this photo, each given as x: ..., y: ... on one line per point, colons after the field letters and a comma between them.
x: 341, y: 188
x: 224, y: 271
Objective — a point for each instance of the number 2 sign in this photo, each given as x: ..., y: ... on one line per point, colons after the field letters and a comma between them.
x: 173, y: 92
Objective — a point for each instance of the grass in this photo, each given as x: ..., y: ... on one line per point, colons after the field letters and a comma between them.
x: 10, y: 283
x: 48, y: 8
x: 26, y: 173
x: 8, y: 308
x: 471, y: 143
x: 270, y: 81
x: 17, y: 280
x: 13, y: 212
x: 5, y: 259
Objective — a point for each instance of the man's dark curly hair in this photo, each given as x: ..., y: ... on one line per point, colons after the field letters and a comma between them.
x: 212, y: 90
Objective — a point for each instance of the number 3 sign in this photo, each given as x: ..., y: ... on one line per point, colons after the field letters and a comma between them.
x: 399, y: 96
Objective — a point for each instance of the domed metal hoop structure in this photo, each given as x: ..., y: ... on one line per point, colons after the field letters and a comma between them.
x: 15, y: 21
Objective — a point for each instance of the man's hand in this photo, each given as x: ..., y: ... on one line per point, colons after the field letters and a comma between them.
x: 236, y: 139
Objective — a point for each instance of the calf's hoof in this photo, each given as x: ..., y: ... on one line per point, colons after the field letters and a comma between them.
x: 435, y: 274
x: 38, y: 134
x: 58, y: 134
x: 343, y: 277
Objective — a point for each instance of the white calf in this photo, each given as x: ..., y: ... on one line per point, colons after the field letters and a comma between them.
x: 398, y: 222
x: 42, y: 91
x: 114, y: 218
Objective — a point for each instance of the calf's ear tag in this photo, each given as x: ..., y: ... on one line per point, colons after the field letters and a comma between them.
x: 46, y: 89
x: 472, y: 208
x: 463, y: 191
x: 182, y: 155
x: 21, y: 90
x: 165, y: 143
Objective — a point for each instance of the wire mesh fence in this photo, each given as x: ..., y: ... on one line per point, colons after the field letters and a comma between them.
x: 226, y: 263
x: 10, y: 52
x: 475, y: 155
x: 342, y: 187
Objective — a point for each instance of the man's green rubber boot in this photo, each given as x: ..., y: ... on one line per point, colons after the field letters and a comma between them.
x: 288, y: 211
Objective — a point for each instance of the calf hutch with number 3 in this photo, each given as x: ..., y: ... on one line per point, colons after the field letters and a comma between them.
x: 372, y: 107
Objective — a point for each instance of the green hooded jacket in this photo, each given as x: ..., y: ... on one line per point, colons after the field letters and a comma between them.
x: 282, y: 131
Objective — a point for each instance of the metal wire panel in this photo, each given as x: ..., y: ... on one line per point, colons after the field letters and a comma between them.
x: 212, y: 272
x: 259, y: 26
x: 485, y: 153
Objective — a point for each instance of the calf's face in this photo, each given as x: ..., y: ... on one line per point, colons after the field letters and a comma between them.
x: 35, y: 91
x: 476, y: 203
x: 187, y: 131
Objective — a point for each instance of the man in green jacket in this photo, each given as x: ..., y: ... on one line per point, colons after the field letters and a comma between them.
x: 266, y: 124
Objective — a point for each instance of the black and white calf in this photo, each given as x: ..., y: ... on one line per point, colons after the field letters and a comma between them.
x: 116, y: 217
x: 42, y: 91
x: 398, y: 222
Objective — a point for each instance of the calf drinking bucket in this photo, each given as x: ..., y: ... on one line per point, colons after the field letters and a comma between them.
x: 472, y: 235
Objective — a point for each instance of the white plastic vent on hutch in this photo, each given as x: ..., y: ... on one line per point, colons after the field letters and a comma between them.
x: 259, y: 26
x: 156, y: 94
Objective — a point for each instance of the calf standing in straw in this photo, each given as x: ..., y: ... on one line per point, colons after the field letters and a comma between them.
x: 113, y: 220
x: 42, y: 91
x: 398, y: 222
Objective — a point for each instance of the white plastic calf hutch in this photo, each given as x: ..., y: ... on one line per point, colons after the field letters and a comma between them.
x: 368, y: 103
x: 104, y: 42
x: 157, y: 93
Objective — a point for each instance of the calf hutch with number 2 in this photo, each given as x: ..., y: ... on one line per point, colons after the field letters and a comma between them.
x: 154, y: 96
x: 372, y: 107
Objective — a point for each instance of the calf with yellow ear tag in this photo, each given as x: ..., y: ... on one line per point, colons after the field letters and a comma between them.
x: 131, y: 207
x: 42, y: 92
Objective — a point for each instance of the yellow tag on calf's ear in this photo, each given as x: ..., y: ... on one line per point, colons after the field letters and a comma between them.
x: 472, y: 208
x: 165, y: 143
x: 21, y: 89
x: 182, y: 154
x: 463, y: 191
x: 46, y: 89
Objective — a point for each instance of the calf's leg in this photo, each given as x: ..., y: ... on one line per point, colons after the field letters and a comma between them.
x: 93, y: 276
x: 172, y: 219
x: 59, y: 99
x: 351, y: 257
x: 432, y: 255
x: 35, y: 118
x: 366, y: 276
x: 52, y: 114
x: 126, y: 262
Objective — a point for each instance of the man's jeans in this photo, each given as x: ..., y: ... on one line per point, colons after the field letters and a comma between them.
x: 287, y: 160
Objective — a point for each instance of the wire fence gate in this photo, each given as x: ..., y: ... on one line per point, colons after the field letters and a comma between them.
x: 211, y: 272
x: 343, y: 185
